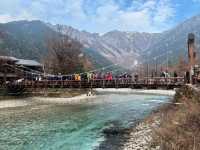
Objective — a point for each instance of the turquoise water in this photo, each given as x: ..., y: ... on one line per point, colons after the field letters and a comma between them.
x: 71, y: 127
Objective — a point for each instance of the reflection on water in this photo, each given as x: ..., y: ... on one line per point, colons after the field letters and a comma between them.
x: 71, y: 127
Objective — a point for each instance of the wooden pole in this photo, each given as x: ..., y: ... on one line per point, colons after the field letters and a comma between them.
x: 5, y: 74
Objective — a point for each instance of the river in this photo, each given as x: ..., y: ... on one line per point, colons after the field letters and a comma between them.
x: 78, y: 126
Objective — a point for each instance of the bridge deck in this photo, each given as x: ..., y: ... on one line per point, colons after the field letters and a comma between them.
x: 150, y: 83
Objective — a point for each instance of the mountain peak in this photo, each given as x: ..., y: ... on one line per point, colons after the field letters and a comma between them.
x: 122, y: 47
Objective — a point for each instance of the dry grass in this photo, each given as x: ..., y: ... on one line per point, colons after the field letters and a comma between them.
x: 180, y: 124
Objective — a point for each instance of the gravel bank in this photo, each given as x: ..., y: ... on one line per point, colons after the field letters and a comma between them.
x: 141, y: 136
x: 29, y: 101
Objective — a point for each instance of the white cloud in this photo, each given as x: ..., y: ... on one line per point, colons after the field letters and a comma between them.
x: 139, y: 21
x: 150, y: 16
x: 164, y: 11
x: 75, y: 9
x: 4, y: 18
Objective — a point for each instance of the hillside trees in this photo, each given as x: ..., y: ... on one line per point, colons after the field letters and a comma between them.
x: 65, y: 56
x: 2, y: 52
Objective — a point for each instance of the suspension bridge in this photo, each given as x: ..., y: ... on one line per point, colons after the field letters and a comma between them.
x: 149, y: 83
x: 32, y: 79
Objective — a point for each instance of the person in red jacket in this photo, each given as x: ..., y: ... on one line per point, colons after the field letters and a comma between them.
x: 110, y: 76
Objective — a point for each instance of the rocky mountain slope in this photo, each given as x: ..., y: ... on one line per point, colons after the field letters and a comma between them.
x: 126, y: 48
x: 119, y: 47
x: 175, y: 40
x: 26, y: 39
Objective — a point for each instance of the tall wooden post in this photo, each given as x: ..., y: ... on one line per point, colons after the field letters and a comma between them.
x: 192, y: 57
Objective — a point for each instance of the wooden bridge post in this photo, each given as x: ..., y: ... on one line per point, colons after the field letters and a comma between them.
x: 45, y: 88
x: 116, y: 83
x: 103, y: 83
x: 80, y: 82
x: 5, y: 74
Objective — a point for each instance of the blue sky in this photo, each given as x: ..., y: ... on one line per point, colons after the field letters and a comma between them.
x: 103, y: 15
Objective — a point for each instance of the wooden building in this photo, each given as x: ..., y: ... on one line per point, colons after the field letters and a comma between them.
x: 7, y: 73
x: 12, y: 68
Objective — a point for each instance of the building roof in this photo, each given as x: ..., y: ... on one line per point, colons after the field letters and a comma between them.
x: 8, y: 58
x: 25, y: 62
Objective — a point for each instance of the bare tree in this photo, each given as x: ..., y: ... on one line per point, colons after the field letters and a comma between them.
x: 182, y: 65
x: 65, y: 56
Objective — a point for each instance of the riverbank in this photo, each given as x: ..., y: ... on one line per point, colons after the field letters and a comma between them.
x: 60, y: 96
x: 173, y: 126
x: 11, y: 103
x: 59, y: 92
x: 49, y: 93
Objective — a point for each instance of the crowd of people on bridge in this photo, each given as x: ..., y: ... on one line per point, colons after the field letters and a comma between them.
x: 107, y: 76
x: 90, y: 76
x: 97, y: 76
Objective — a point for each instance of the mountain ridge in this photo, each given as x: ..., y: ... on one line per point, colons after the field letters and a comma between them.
x: 121, y: 47
x: 142, y: 42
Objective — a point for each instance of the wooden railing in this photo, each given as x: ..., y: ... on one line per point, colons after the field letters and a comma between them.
x: 100, y: 83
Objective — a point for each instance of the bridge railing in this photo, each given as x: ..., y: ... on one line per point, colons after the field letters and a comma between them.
x: 163, y: 80
x: 101, y: 83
